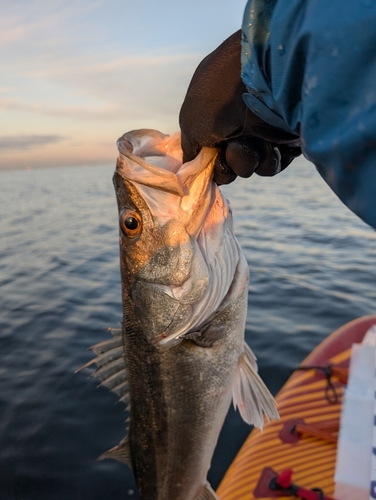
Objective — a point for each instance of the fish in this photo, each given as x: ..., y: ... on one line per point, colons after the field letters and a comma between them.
x: 180, y: 355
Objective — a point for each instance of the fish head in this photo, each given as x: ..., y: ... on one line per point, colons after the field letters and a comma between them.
x: 161, y: 213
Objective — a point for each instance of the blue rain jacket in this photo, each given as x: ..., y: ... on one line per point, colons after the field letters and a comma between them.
x: 310, y: 68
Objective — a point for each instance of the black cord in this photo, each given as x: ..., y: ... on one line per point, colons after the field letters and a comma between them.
x: 331, y: 394
x: 293, y: 489
x: 320, y: 492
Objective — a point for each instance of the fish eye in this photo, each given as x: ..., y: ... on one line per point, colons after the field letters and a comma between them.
x: 130, y: 223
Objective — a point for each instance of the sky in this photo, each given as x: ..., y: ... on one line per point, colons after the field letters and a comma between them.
x: 77, y: 74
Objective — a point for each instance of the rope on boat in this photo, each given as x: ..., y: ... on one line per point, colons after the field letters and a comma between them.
x: 329, y: 371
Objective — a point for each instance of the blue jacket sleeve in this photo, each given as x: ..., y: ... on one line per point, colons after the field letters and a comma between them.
x: 310, y: 68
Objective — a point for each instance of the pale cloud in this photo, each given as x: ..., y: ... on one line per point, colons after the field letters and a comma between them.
x: 23, y: 142
x: 97, y: 112
x: 106, y: 89
x: 64, y: 153
x: 12, y: 35
x: 91, y: 70
x: 40, y: 21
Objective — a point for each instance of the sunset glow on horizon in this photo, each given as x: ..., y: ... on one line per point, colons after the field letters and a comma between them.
x: 76, y: 76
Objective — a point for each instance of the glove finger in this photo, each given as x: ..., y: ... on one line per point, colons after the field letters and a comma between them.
x: 270, y: 162
x: 247, y: 155
x: 244, y: 156
x: 276, y: 158
x: 190, y: 149
x: 223, y: 174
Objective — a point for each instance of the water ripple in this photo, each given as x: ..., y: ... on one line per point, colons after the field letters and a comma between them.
x: 312, y: 269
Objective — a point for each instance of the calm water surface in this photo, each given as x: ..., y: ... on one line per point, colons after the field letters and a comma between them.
x: 312, y: 269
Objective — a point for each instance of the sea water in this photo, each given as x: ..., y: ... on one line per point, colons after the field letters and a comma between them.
x: 312, y: 269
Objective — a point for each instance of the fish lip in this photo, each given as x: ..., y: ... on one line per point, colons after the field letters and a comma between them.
x: 124, y: 144
x: 164, y: 180
x: 143, y: 140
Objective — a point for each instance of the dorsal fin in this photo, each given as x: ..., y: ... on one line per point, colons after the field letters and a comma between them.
x: 111, y: 370
x: 250, y: 394
x: 121, y: 453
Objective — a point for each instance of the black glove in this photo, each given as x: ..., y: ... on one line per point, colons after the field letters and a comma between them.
x: 214, y: 114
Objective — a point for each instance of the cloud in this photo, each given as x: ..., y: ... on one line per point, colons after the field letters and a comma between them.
x: 100, y: 112
x: 22, y: 142
x: 88, y: 71
x: 76, y: 61
x: 13, y: 35
x: 103, y: 88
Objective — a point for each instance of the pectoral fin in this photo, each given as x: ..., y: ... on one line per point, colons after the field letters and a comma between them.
x: 207, y: 493
x: 121, y: 453
x: 250, y: 394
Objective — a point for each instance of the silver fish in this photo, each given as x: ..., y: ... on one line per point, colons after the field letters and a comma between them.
x: 180, y: 356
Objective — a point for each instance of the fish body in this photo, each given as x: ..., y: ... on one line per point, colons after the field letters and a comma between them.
x: 180, y: 356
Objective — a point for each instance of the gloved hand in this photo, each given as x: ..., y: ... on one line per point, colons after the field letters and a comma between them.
x: 214, y: 114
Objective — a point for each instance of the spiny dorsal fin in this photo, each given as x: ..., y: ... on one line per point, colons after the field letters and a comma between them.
x: 250, y: 394
x: 121, y: 453
x: 111, y: 368
x: 207, y: 493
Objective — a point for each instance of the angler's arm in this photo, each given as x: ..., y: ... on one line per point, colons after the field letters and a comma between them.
x: 309, y: 68
x: 313, y: 64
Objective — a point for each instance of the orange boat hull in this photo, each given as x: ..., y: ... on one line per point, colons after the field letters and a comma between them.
x: 308, y: 403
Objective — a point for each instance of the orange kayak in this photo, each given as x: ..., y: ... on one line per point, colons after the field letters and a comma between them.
x: 296, y: 455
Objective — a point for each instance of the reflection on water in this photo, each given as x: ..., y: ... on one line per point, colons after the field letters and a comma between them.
x: 312, y: 268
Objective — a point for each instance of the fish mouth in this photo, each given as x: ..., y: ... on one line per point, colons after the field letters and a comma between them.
x: 153, y: 161
x: 143, y: 142
x: 151, y: 158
